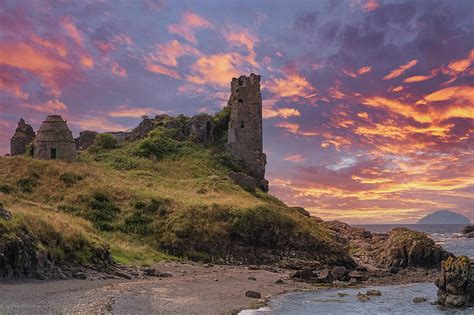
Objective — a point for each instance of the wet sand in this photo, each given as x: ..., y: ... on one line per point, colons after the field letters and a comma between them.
x: 193, y: 289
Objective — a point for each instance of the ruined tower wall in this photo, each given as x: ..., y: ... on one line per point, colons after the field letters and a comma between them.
x: 245, y: 139
x: 24, y: 135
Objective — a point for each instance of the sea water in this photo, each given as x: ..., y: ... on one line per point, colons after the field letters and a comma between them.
x: 394, y: 299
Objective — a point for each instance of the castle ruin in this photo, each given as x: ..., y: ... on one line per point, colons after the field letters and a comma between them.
x: 245, y: 137
x: 24, y: 135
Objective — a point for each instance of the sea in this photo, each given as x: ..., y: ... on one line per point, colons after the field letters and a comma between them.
x: 397, y: 299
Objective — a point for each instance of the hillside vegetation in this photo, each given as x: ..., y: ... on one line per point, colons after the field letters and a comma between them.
x: 153, y: 199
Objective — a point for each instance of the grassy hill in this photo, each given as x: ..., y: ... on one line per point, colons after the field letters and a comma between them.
x: 153, y: 199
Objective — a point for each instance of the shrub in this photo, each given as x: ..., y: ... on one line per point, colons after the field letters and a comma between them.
x: 102, y: 212
x: 27, y: 184
x: 123, y: 163
x: 159, y: 146
x: 6, y: 189
x: 138, y: 223
x: 70, y: 178
x: 226, y: 160
x: 104, y: 141
x: 156, y: 205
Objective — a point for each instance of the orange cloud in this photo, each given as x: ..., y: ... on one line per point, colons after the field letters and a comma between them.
x: 27, y: 58
x: 462, y: 64
x: 363, y: 115
x: 188, y: 26
x: 295, y: 129
x: 72, y: 30
x: 87, y: 62
x: 162, y: 70
x: 119, y: 71
x: 60, y: 48
x: 292, y: 85
x: 96, y: 123
x: 400, y: 70
x: 52, y: 106
x: 284, y: 112
x: 364, y: 70
x: 420, y: 78
x: 134, y: 112
x: 114, y: 42
x: 397, y: 107
x: 243, y: 37
x: 396, y: 89
x: 10, y: 86
x: 169, y: 53
x: 215, y: 69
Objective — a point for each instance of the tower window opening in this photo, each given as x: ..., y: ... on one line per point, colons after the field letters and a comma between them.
x: 242, y: 124
x: 241, y: 100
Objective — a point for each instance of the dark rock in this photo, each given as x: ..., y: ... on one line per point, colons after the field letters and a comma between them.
x: 123, y: 274
x: 253, y: 294
x: 305, y: 274
x: 252, y: 278
x: 279, y: 281
x: 469, y: 235
x: 4, y: 213
x: 340, y: 273
x: 325, y: 276
x: 455, y: 283
x: 80, y: 275
x: 142, y: 130
x: 303, y: 211
x: 467, y: 229
x: 254, y: 267
x: 419, y: 300
x: 245, y: 181
x: 394, y: 270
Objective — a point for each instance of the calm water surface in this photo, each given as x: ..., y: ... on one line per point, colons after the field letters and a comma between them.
x: 394, y: 299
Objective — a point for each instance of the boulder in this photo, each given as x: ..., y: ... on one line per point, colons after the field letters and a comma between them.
x: 469, y: 235
x: 362, y: 297
x: 325, y: 276
x: 455, y: 283
x: 245, y: 181
x: 373, y: 293
x: 340, y: 273
x: 253, y: 294
x: 406, y: 248
x: 305, y: 274
x: 419, y: 300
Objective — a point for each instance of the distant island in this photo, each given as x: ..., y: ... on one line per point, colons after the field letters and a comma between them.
x: 444, y: 217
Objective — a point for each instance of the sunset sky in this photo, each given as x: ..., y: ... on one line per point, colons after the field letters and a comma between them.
x: 368, y: 104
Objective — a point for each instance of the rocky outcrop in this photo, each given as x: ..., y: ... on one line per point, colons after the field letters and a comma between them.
x: 200, y: 129
x: 456, y: 282
x: 468, y: 231
x: 85, y: 140
x: 407, y: 248
x: 400, y: 248
x: 247, y: 182
x: 142, y: 130
x: 24, y: 135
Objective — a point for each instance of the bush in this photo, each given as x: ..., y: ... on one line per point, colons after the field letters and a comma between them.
x: 159, y: 145
x: 138, y: 223
x: 156, y: 205
x: 123, y: 163
x: 69, y: 209
x: 103, y: 212
x: 226, y: 160
x: 6, y: 189
x: 104, y: 141
x: 70, y: 178
x: 27, y: 184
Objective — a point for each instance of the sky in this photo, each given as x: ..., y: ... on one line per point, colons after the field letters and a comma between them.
x: 368, y: 105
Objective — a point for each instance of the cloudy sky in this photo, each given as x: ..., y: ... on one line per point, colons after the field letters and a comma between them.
x: 368, y: 104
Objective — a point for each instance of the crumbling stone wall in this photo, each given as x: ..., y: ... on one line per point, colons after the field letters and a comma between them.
x: 24, y: 135
x: 85, y: 140
x: 245, y: 138
x: 456, y: 282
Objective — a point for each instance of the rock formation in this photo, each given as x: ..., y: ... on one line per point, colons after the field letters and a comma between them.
x: 24, y: 135
x: 245, y: 141
x: 456, y: 282
x: 54, y: 140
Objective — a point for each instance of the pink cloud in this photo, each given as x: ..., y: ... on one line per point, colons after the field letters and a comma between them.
x: 119, y: 71
x: 52, y: 106
x: 400, y: 70
x: 190, y: 23
x: 134, y: 112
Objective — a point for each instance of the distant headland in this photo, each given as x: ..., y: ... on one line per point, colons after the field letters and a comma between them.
x: 444, y: 217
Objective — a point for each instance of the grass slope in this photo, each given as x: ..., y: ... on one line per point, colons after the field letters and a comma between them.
x: 178, y: 203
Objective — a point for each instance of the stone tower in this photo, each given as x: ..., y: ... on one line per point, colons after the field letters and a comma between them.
x: 245, y: 140
x: 24, y: 135
x: 54, y: 140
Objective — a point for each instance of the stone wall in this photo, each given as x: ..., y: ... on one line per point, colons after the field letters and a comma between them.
x: 85, y: 140
x: 456, y: 282
x: 24, y: 135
